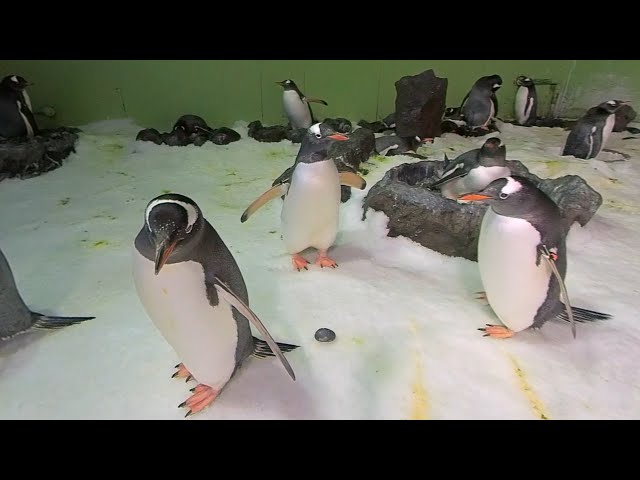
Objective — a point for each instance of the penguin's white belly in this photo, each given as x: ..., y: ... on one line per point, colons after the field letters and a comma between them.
x: 27, y: 124
x: 515, y: 286
x: 297, y: 111
x: 475, y: 181
x: 203, y: 337
x: 310, y: 213
x: 606, y: 131
x: 521, y: 105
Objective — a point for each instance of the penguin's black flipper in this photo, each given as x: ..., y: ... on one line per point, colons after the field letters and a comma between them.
x: 455, y: 173
x: 582, y: 315
x: 633, y: 130
x: 274, y: 192
x: 263, y: 349
x: 48, y: 322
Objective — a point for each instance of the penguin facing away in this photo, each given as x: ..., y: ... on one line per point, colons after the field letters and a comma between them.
x: 193, y: 290
x: 310, y: 210
x: 15, y: 316
x: 474, y: 170
x: 522, y: 258
x: 296, y: 105
x: 526, y: 103
x: 591, y: 133
x: 480, y: 105
x: 16, y: 116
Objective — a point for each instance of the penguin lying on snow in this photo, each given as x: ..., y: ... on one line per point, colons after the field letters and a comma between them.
x: 15, y: 316
x: 296, y: 105
x: 526, y: 105
x: 522, y: 257
x: 474, y: 170
x: 193, y: 291
x: 16, y: 115
x: 591, y: 133
x: 389, y: 145
x: 310, y: 211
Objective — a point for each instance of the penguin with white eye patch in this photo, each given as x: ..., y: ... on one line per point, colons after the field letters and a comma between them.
x: 522, y: 258
x: 296, y: 105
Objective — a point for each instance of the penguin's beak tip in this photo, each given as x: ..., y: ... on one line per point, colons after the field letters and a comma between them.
x: 163, y: 253
x: 473, y: 197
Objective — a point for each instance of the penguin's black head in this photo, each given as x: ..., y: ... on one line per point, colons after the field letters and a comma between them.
x: 511, y: 196
x: 316, y: 142
x: 15, y: 82
x: 494, y: 149
x: 523, y: 81
x: 288, y: 84
x: 173, y: 222
x: 612, y: 106
x: 492, y: 82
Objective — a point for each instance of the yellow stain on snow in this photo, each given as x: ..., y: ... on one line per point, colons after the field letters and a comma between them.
x: 419, y: 399
x: 536, y: 403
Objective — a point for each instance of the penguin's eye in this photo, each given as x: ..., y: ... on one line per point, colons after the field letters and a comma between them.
x: 504, y: 195
x: 318, y: 135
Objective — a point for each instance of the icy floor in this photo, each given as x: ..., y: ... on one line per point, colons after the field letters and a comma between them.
x: 405, y: 317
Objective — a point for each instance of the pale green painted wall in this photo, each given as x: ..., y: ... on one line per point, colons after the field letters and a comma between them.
x: 155, y: 92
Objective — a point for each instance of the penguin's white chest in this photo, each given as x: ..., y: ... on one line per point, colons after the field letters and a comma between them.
x: 522, y: 107
x: 26, y: 121
x: 607, y: 129
x: 297, y: 110
x: 515, y: 286
x: 203, y: 337
x: 311, y: 209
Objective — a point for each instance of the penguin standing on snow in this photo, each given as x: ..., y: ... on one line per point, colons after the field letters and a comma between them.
x: 15, y: 316
x: 480, y: 105
x: 311, y: 207
x: 591, y: 133
x: 16, y: 116
x: 522, y: 257
x: 526, y: 101
x: 296, y: 105
x: 193, y: 291
x: 474, y: 170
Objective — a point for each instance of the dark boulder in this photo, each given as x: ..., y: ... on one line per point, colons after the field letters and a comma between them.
x: 271, y: 134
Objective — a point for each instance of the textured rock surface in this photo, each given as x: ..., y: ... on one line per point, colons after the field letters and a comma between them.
x: 30, y: 157
x: 624, y: 115
x: 274, y: 133
x: 420, y: 105
x: 453, y: 228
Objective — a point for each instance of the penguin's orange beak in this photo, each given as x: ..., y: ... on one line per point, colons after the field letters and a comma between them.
x: 339, y: 137
x: 162, y: 254
x: 473, y: 197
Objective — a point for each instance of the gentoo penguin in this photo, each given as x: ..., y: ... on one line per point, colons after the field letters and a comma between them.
x: 16, y: 116
x: 526, y: 101
x: 591, y: 133
x: 15, y: 316
x: 296, y: 105
x: 474, y: 170
x: 310, y: 211
x: 389, y: 145
x: 192, y: 289
x: 522, y: 257
x: 480, y: 105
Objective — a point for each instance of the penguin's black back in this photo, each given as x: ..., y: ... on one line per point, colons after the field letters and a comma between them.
x: 15, y: 316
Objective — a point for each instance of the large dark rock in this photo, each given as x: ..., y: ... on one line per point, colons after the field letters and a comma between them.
x: 271, y: 134
x: 340, y: 125
x: 224, y: 136
x: 29, y: 157
x: 295, y: 135
x: 358, y: 149
x: 453, y: 228
x: 624, y: 116
x: 420, y: 105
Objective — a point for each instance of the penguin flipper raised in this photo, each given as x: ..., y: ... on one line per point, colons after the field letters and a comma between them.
x: 316, y: 100
x: 352, y: 180
x: 227, y: 294
x: 273, y: 192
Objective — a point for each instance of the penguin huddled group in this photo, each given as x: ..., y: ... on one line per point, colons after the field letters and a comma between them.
x: 193, y: 290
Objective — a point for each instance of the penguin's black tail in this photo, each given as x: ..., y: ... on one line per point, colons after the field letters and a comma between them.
x: 262, y: 348
x: 47, y: 322
x: 582, y: 315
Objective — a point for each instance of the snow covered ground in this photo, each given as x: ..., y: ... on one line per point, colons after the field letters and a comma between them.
x: 406, y: 318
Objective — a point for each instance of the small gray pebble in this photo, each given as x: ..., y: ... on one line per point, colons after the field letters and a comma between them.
x: 325, y: 335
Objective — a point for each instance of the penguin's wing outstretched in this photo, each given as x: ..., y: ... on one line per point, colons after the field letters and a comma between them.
x: 275, y: 191
x: 227, y: 294
x: 316, y: 100
x: 551, y: 258
x: 353, y: 180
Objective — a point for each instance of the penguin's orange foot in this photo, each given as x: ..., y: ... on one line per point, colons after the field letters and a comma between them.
x: 202, y: 397
x: 182, y: 372
x: 325, y: 261
x: 497, y: 331
x: 299, y: 262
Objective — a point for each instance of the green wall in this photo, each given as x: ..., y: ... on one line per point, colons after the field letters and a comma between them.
x: 155, y: 92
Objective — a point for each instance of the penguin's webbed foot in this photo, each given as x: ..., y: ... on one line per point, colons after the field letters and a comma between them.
x: 299, y: 262
x: 182, y: 372
x: 497, y: 331
x: 202, y: 397
x: 325, y: 261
